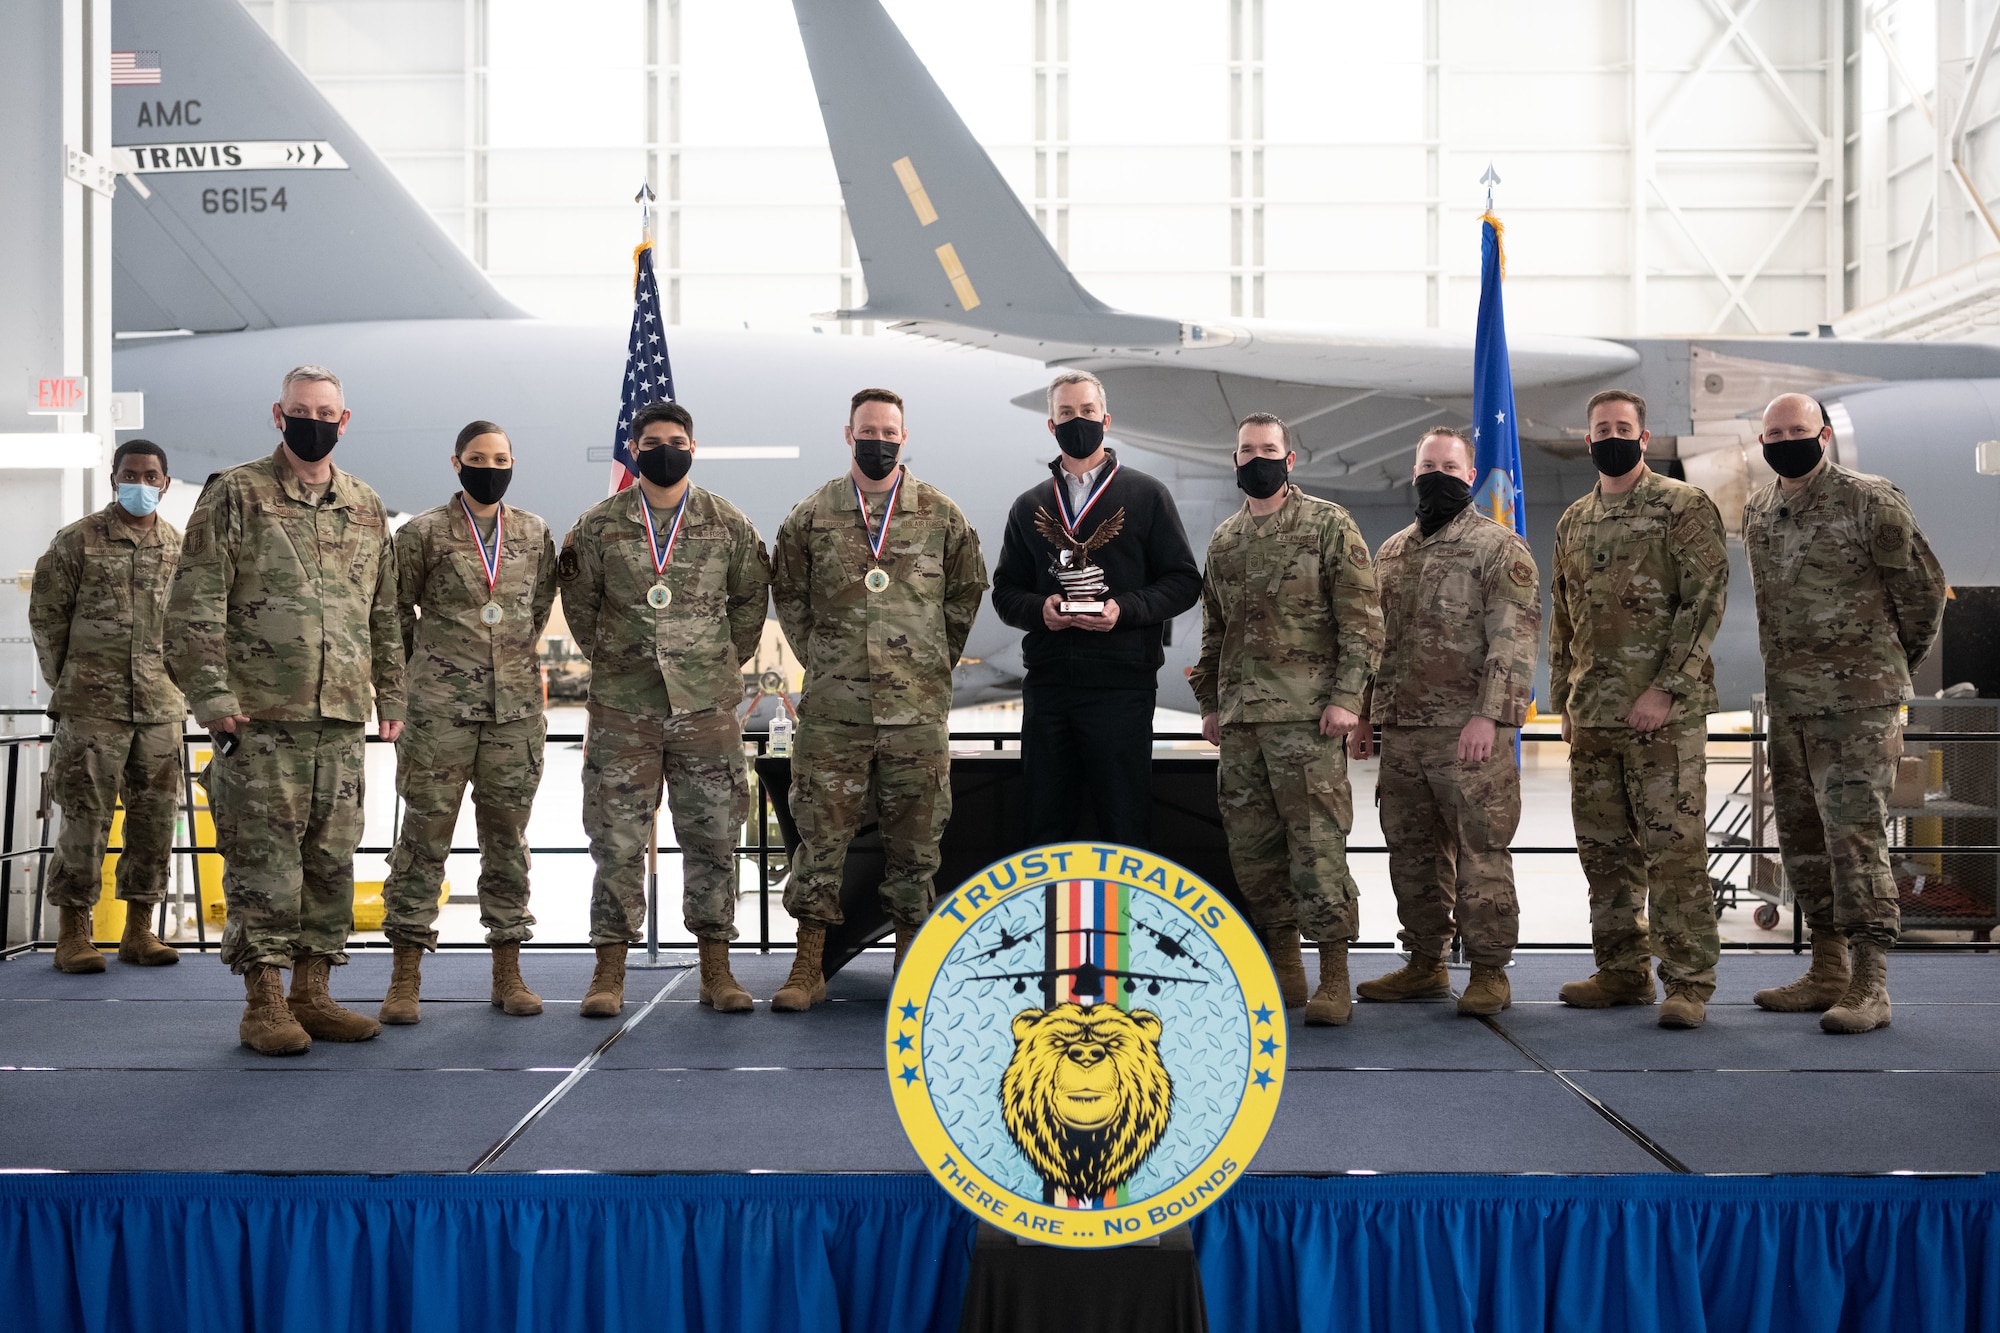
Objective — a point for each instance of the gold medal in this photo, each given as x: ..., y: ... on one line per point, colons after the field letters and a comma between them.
x: 490, y: 614
x: 659, y: 596
x: 877, y: 580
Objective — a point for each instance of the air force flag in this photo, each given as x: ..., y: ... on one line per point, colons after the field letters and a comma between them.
x: 1496, y: 454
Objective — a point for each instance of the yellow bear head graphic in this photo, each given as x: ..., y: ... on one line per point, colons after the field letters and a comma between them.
x: 1086, y: 1096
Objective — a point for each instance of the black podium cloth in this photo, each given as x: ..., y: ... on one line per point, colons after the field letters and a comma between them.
x: 1017, y: 1288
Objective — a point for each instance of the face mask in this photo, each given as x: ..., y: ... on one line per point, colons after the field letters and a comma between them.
x: 137, y: 500
x: 663, y: 465
x: 1792, y: 459
x: 876, y: 458
x: 484, y: 484
x: 1614, y: 457
x: 310, y: 438
x: 1080, y: 437
x: 1259, y: 478
x: 1440, y: 499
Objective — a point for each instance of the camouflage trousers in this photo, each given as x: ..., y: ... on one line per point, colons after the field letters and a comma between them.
x: 1640, y: 807
x: 836, y: 768
x: 93, y: 762
x: 288, y: 818
x: 1830, y: 781
x: 435, y: 759
x: 699, y: 756
x: 1286, y: 810
x: 1448, y: 825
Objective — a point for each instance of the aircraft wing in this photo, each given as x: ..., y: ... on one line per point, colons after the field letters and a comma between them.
x: 948, y: 251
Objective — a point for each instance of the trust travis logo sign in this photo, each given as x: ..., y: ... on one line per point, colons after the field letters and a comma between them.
x: 1086, y: 1044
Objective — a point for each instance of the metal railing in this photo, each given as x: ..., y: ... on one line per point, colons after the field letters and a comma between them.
x: 16, y: 879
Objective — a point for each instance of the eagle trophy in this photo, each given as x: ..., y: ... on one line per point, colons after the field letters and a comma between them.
x: 1084, y: 588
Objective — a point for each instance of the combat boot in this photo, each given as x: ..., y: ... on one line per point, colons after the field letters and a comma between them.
x: 312, y: 1004
x: 1282, y: 944
x: 405, y: 981
x: 904, y: 935
x: 1333, y: 1003
x: 1486, y: 994
x: 74, y: 951
x: 719, y: 988
x: 1865, y: 1007
x: 140, y: 945
x: 509, y: 991
x: 268, y: 1027
x: 1822, y: 985
x: 1422, y: 978
x: 1682, y: 1008
x: 606, y: 995
x: 1603, y: 990
x: 806, y: 986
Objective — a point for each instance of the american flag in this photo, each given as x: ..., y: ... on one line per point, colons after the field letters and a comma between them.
x: 133, y: 68
x: 649, y: 377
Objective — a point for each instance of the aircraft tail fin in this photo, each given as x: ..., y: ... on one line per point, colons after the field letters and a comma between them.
x: 263, y: 207
x: 941, y: 235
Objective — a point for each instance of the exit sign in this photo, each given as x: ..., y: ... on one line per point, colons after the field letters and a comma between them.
x: 58, y: 396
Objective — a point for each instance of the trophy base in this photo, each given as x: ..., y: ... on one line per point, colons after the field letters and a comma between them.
x: 1069, y: 608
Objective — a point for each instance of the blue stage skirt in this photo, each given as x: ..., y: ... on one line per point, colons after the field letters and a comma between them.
x: 744, y: 1254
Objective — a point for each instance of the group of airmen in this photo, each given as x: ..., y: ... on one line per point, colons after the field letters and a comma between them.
x: 288, y: 612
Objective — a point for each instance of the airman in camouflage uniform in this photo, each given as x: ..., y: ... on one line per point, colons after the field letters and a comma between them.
x: 1849, y: 601
x: 1463, y: 613
x: 1641, y: 573
x: 475, y: 715
x: 665, y: 680
x: 1291, y: 632
x: 282, y: 630
x: 96, y: 610
x: 878, y: 636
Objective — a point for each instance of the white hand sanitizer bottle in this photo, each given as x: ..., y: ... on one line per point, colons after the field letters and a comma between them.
x: 781, y: 733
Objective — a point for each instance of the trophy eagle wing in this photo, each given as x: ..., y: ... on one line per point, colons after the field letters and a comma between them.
x: 1051, y: 530
x: 1106, y: 530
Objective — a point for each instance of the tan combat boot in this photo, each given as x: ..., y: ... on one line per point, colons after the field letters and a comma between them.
x: 1822, y: 985
x: 806, y: 986
x: 1603, y: 990
x: 406, y: 980
x: 1282, y: 944
x: 74, y: 951
x: 719, y: 988
x: 312, y: 1004
x: 1422, y: 978
x: 139, y: 944
x: 1682, y: 1008
x: 509, y: 991
x: 268, y: 1027
x: 1486, y: 994
x: 606, y: 995
x: 1333, y: 1003
x: 904, y: 935
x: 1865, y: 1007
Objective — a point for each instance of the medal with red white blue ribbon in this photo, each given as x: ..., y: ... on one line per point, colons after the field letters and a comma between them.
x: 660, y: 596
x: 1090, y: 502
x: 878, y: 577
x: 489, y: 614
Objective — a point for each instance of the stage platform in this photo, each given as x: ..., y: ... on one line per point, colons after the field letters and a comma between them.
x: 139, y: 1070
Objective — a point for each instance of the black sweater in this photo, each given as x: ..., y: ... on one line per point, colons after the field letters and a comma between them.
x: 1151, y: 572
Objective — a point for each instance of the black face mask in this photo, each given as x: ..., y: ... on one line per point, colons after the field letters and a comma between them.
x: 1080, y: 437
x: 310, y: 438
x: 1614, y: 457
x: 664, y: 465
x: 1792, y: 459
x: 876, y: 458
x: 484, y: 484
x: 1441, y: 497
x: 1260, y: 478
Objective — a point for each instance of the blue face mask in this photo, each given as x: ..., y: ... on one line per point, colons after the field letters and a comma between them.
x: 137, y: 500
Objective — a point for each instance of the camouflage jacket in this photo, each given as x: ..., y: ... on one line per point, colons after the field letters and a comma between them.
x: 1638, y: 589
x: 97, y: 609
x: 1462, y: 612
x: 458, y: 665
x: 1290, y: 623
x: 285, y: 610
x: 684, y: 657
x: 1849, y: 596
x: 882, y: 657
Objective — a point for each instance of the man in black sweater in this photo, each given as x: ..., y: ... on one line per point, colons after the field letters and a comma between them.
x: 1091, y: 679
